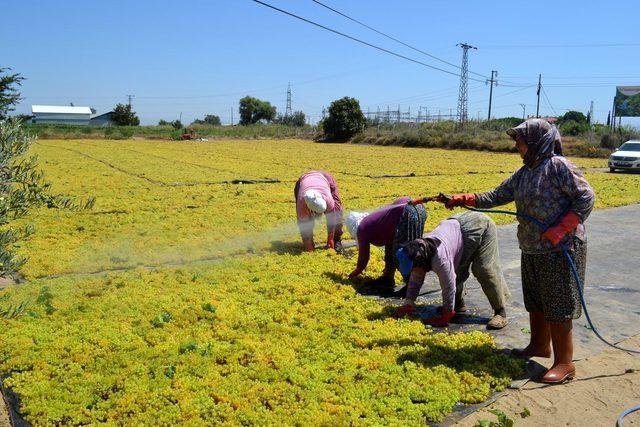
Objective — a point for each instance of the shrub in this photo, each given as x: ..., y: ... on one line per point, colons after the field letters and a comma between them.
x: 573, y: 127
x: 610, y: 141
x: 345, y: 120
x: 297, y: 119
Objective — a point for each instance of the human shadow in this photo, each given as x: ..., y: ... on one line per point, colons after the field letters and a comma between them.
x: 286, y: 248
x: 423, y: 312
x: 337, y: 278
x: 475, y: 358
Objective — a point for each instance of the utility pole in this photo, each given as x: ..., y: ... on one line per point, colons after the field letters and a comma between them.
x: 591, y: 122
x: 539, y: 89
x: 231, y: 116
x: 524, y: 110
x: 613, y: 116
x: 463, y: 93
x: 287, y: 111
x: 491, y: 82
x: 130, y: 96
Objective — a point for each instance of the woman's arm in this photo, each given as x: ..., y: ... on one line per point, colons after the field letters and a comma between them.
x: 501, y: 195
x: 575, y: 186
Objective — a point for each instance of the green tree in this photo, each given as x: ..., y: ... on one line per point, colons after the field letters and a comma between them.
x: 123, y: 115
x: 177, y: 124
x: 22, y: 188
x: 296, y: 119
x: 345, y: 120
x: 254, y: 110
x: 209, y: 119
x: 9, y: 94
x: 163, y: 122
x: 212, y: 120
x: 576, y: 116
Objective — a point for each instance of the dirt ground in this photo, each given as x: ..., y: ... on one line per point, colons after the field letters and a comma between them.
x: 604, y: 388
x: 4, y: 414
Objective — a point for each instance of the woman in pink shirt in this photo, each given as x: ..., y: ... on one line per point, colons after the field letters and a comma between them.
x: 316, y: 193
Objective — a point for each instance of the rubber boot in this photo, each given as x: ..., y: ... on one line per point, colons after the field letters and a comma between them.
x: 563, y: 368
x: 540, y: 343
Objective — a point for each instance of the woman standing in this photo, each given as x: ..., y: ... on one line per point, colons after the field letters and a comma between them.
x: 552, y: 189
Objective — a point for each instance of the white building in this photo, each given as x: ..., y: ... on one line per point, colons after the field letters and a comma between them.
x: 61, y: 114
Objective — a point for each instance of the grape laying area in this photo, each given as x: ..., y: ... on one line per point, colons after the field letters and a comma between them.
x: 183, y: 295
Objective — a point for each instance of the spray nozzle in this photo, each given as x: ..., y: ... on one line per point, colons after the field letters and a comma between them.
x: 422, y: 200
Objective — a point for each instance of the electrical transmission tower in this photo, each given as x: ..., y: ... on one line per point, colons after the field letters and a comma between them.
x: 464, y: 82
x: 287, y: 111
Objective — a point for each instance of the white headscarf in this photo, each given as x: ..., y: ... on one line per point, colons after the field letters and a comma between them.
x: 353, y: 221
x: 315, y: 202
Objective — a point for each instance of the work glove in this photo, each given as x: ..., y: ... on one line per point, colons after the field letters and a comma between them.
x: 442, y: 320
x: 355, y: 273
x: 566, y: 225
x: 331, y: 244
x: 308, y: 245
x: 406, y: 310
x: 468, y: 199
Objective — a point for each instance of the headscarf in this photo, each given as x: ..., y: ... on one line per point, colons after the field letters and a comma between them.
x: 421, y: 251
x: 542, y: 138
x: 314, y: 201
x: 353, y: 221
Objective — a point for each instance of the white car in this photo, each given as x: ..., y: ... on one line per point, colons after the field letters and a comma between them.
x: 626, y: 157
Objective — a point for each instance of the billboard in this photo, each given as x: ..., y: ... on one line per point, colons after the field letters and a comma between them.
x: 627, y: 101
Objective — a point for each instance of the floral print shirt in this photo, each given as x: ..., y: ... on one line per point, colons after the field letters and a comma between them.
x: 547, y: 192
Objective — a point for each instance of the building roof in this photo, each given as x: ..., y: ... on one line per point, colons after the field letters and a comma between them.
x: 109, y: 113
x: 59, y: 109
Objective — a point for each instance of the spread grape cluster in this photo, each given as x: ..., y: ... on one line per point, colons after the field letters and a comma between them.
x: 183, y: 296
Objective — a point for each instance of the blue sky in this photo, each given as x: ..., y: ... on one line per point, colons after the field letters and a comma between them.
x: 199, y: 57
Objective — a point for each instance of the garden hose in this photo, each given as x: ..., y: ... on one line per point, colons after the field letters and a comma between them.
x: 625, y: 413
x: 574, y: 270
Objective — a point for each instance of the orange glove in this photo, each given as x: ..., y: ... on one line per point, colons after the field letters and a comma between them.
x: 404, y: 311
x: 566, y: 225
x: 442, y: 320
x: 331, y: 244
x: 468, y: 199
x: 308, y: 245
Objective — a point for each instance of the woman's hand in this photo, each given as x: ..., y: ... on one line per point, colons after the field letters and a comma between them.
x: 442, y: 320
x: 355, y: 273
x: 468, y: 199
x: 566, y: 225
x: 308, y: 245
x: 406, y: 310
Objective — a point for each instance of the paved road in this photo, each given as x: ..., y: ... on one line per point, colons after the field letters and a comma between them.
x: 612, y: 284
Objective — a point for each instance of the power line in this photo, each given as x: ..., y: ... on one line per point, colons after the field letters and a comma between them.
x: 505, y: 94
x: 393, y: 38
x: 359, y: 40
x: 546, y: 98
x: 553, y: 46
